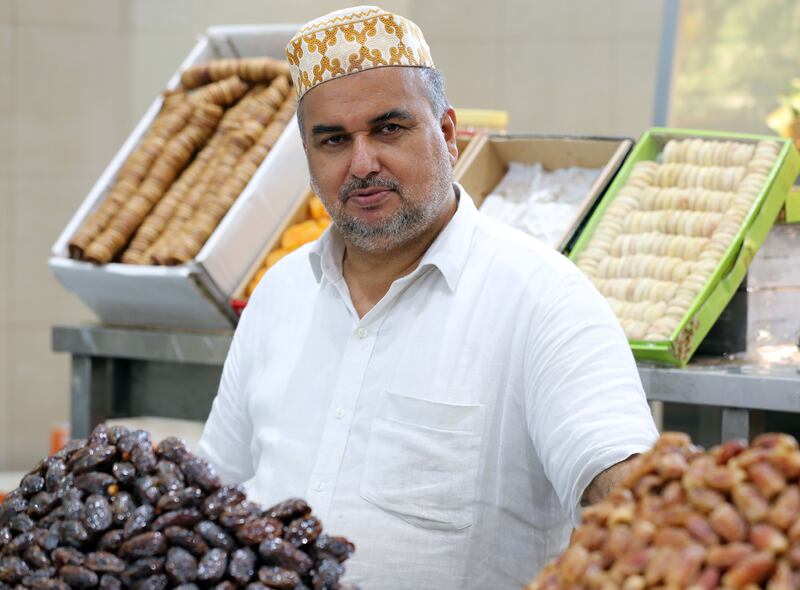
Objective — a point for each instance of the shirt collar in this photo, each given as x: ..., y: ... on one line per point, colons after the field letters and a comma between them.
x: 448, y: 252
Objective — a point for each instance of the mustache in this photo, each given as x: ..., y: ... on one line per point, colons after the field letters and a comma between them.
x: 355, y: 184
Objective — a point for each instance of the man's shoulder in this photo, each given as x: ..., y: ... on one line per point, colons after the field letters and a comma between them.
x: 285, y: 277
x: 508, y: 249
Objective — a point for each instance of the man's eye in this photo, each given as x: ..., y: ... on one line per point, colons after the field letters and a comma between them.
x: 333, y: 140
x: 390, y: 129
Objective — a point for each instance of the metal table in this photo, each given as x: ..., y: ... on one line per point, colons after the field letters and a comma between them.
x: 120, y: 372
x: 132, y: 372
x: 742, y: 389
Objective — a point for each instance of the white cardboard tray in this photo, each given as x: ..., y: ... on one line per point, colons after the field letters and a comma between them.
x: 193, y: 295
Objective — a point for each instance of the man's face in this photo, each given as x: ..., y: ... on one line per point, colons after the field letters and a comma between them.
x: 379, y: 159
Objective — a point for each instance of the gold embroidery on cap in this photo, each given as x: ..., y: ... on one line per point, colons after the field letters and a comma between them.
x: 364, y: 53
x: 369, y: 30
x: 305, y: 82
x: 346, y: 43
x: 321, y: 45
x: 398, y: 54
x: 334, y: 66
x: 294, y: 55
x: 391, y: 26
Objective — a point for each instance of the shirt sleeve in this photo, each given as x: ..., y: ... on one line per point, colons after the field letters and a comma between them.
x: 586, y: 409
x: 226, y: 437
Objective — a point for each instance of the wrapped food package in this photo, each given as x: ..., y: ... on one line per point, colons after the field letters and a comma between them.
x: 684, y: 518
x: 542, y: 203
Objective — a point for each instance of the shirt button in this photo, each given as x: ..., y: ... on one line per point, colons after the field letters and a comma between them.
x: 339, y: 413
x: 319, y: 486
x: 362, y: 332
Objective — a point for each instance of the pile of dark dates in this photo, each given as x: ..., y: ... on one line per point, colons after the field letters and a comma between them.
x: 113, y: 511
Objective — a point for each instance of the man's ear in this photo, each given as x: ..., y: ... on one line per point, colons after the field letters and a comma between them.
x: 449, y: 129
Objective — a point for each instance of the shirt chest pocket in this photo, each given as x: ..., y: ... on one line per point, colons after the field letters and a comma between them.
x: 422, y: 461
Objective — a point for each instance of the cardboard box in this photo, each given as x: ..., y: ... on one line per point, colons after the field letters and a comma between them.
x: 297, y: 214
x: 193, y: 295
x: 485, y: 162
x: 732, y: 267
x: 467, y: 143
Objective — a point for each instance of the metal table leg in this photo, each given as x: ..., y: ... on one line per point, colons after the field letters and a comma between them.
x: 741, y: 423
x: 81, y: 396
x: 98, y: 388
x: 657, y: 411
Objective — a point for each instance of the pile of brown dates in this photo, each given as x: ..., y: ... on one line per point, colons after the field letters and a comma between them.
x: 683, y: 518
x: 114, y: 511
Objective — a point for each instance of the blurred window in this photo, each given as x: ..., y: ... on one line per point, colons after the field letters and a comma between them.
x: 732, y: 59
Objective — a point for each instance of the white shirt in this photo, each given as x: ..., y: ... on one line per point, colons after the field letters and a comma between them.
x: 451, y: 431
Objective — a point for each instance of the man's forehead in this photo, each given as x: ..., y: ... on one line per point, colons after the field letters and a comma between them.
x: 377, y: 81
x: 365, y: 96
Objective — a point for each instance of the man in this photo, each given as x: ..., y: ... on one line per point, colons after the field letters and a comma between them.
x: 443, y: 390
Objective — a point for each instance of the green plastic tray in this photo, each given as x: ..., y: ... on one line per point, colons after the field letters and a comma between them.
x: 793, y: 206
x: 730, y: 271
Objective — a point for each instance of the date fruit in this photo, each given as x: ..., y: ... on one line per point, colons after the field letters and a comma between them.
x: 113, y: 512
x: 681, y: 518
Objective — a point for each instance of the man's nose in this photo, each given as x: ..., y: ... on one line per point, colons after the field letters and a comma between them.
x: 364, y: 159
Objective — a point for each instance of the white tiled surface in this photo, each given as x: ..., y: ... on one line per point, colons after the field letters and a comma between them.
x: 584, y: 103
x: 8, y: 38
x: 5, y: 396
x: 568, y: 21
x: 530, y: 95
x: 7, y: 159
x: 158, y: 14
x: 38, y: 401
x: 5, y: 248
x: 7, y: 43
x: 475, y: 21
x: 154, y: 55
x: 637, y: 20
x: 9, y: 480
x: 76, y: 76
x: 67, y: 92
x: 42, y: 207
x: 207, y: 13
x: 74, y: 13
x: 7, y: 11
x: 634, y: 68
x: 471, y: 92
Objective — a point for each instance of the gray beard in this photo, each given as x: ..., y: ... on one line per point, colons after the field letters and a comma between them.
x: 409, y: 223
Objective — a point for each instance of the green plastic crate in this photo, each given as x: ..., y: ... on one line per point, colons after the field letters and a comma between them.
x: 793, y: 206
x: 730, y: 271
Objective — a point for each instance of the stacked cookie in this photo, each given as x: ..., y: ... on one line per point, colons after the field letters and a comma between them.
x: 201, y: 151
x: 662, y: 237
x: 252, y: 69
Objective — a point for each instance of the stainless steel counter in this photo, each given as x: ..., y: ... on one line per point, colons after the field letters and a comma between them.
x: 743, y: 388
x: 126, y: 371
x: 119, y: 372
